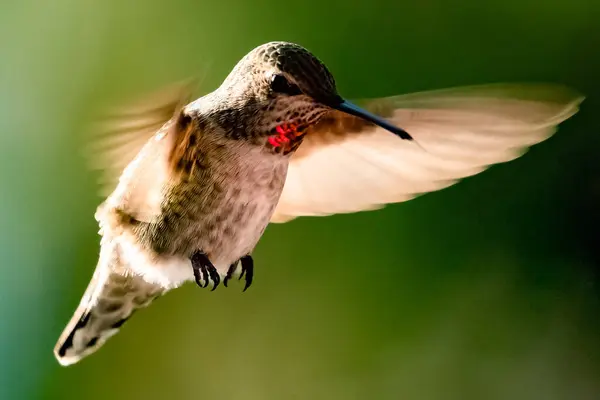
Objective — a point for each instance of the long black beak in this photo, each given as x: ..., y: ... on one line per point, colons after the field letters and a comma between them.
x: 352, y: 109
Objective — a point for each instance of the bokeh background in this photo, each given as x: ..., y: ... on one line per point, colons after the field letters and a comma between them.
x: 486, y: 290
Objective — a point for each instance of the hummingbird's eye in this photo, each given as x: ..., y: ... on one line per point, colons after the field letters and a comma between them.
x: 281, y: 85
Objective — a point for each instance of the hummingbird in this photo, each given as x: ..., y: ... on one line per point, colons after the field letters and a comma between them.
x: 191, y: 185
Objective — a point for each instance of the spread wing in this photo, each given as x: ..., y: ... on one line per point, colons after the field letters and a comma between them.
x: 139, y: 148
x: 122, y: 132
x: 346, y: 165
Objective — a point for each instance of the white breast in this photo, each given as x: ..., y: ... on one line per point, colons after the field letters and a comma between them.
x: 167, y: 271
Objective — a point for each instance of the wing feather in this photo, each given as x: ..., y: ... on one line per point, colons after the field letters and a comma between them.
x: 347, y: 165
x: 121, y: 133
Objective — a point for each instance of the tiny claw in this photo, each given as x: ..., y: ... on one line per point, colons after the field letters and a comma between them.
x: 248, y: 281
x: 230, y: 272
x: 248, y: 269
x: 197, y: 277
x: 204, y: 276
x: 214, y: 274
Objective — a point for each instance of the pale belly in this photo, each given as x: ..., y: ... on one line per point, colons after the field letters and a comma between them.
x: 230, y: 230
x: 170, y: 271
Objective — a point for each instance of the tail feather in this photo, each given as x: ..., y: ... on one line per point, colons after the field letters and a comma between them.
x: 109, y: 301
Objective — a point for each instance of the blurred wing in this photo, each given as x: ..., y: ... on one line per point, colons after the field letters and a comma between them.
x: 346, y: 165
x: 123, y: 132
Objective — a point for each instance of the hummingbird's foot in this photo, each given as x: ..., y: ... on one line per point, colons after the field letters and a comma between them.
x: 247, y: 269
x: 203, y: 269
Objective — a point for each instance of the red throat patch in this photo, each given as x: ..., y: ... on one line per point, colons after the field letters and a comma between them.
x: 285, y: 134
x: 287, y: 138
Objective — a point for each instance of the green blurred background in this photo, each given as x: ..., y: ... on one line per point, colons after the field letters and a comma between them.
x: 486, y: 290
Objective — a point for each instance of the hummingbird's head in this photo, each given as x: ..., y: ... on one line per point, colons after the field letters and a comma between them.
x: 279, y: 85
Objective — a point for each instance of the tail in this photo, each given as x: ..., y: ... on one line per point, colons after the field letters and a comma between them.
x: 109, y: 300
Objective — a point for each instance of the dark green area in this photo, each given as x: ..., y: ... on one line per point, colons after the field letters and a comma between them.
x: 486, y: 290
